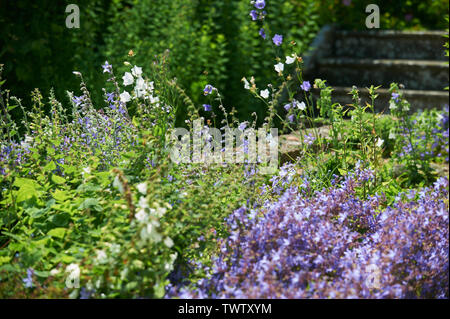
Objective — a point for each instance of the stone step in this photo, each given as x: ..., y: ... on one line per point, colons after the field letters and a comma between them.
x: 413, y: 74
x: 390, y: 44
x: 419, y: 99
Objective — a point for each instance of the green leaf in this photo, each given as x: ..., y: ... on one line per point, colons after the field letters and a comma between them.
x: 91, y: 203
x: 68, y: 169
x: 4, y: 259
x: 58, y: 179
x: 36, y: 213
x: 60, y: 195
x: 41, y: 242
x: 15, y: 237
x: 25, y: 192
x: 19, y: 182
x: 60, y: 219
x: 67, y: 259
x: 42, y: 274
x: 57, y: 232
x: 50, y: 167
x: 50, y: 151
x: 104, y: 177
x: 159, y: 290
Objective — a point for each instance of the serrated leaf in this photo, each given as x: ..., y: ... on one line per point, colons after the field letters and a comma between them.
x: 36, y: 213
x: 50, y: 167
x: 58, y: 179
x: 57, y: 232
x: 19, y: 182
x: 60, y: 219
x: 41, y: 242
x: 91, y: 203
x: 60, y: 195
x: 50, y: 151
x: 25, y: 192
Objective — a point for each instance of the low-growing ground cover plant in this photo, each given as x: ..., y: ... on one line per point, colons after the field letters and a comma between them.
x: 333, y: 244
x: 93, y: 206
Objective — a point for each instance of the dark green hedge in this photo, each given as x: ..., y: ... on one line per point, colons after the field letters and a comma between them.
x: 210, y: 41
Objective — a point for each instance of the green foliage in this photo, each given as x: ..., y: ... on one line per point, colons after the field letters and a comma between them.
x: 397, y: 15
x: 207, y: 42
x: 90, y: 191
x: 101, y: 209
x: 39, y: 51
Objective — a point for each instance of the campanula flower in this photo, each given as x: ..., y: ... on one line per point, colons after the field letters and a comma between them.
x: 301, y: 106
x: 246, y: 84
x: 306, y: 86
x: 277, y: 39
x: 125, y: 97
x: 396, y: 97
x: 107, y: 68
x: 242, y: 126
x: 262, y: 33
x: 136, y: 71
x: 260, y: 4
x: 265, y: 93
x: 279, y: 67
x: 208, y: 89
x: 127, y: 79
x: 290, y: 59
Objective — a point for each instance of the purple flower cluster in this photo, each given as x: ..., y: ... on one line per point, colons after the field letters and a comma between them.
x: 255, y: 14
x: 259, y: 14
x: 309, y: 139
x: 440, y: 136
x: 427, y: 138
x: 334, y: 245
x: 28, y: 281
x: 105, y: 132
x: 395, y: 97
x: 13, y: 155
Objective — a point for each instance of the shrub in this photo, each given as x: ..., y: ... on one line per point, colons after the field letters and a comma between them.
x: 333, y: 244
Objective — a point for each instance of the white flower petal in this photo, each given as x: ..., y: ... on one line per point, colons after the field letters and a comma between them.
x: 125, y: 97
x: 380, y: 142
x: 279, y: 67
x: 290, y: 59
x: 127, y: 79
x: 168, y: 242
x: 141, y: 215
x: 142, y: 188
x: 137, y: 71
